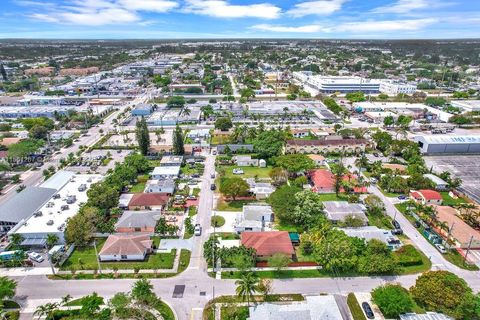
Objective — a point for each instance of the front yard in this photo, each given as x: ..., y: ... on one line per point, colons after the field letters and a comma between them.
x: 85, y: 259
x: 236, y: 205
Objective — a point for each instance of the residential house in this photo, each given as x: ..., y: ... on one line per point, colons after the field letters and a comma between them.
x: 325, y: 146
x: 323, y: 181
x: 318, y: 159
x: 148, y: 201
x: 245, y: 161
x: 160, y: 186
x: 460, y: 231
x: 425, y: 316
x: 371, y: 232
x: 126, y: 247
x: 165, y: 172
x: 137, y: 221
x: 268, y: 243
x: 426, y: 197
x: 253, y: 218
x: 322, y: 307
x: 171, y: 161
x: 440, y: 184
x: 124, y: 200
x: 261, y: 190
x: 338, y: 211
x: 300, y: 133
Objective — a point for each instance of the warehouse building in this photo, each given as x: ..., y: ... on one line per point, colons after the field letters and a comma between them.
x: 448, y: 144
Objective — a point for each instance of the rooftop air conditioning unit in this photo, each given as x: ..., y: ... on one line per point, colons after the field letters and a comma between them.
x: 50, y: 222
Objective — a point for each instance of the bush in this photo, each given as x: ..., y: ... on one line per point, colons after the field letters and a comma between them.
x: 355, y: 308
x: 393, y: 300
x: 408, y: 255
x: 217, y: 221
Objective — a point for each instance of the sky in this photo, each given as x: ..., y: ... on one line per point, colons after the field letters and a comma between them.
x: 180, y: 19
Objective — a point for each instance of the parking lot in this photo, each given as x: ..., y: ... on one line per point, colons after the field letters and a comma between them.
x: 465, y: 167
x: 96, y: 159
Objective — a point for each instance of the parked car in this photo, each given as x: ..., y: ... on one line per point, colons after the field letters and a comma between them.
x: 417, y: 224
x: 238, y: 171
x: 373, y: 180
x: 397, y: 228
x: 198, y: 230
x: 402, y: 197
x: 368, y: 310
x: 213, y: 186
x: 441, y: 248
x: 36, y: 257
x: 212, y: 176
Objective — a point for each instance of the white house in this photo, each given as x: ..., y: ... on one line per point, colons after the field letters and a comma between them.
x: 440, y: 184
x: 253, y: 218
x: 126, y: 247
x: 164, y: 186
x: 167, y: 172
x: 245, y: 161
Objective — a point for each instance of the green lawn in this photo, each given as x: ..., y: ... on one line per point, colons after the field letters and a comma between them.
x: 184, y: 260
x: 288, y: 227
x: 192, y: 210
x: 236, y: 205
x: 424, y: 266
x: 355, y: 308
x: 380, y: 221
x: 331, y: 197
x: 285, y: 274
x: 457, y: 259
x: 227, y: 235
x: 249, y: 172
x: 449, y: 201
x: 220, y: 139
x: 138, y: 188
x: 84, y: 259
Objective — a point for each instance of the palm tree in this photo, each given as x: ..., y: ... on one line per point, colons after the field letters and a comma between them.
x: 186, y: 111
x: 66, y: 299
x: 45, y: 310
x: 7, y: 288
x: 52, y: 240
x: 16, y: 239
x: 247, y: 285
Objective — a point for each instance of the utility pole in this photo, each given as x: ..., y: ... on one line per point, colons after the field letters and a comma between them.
x: 96, y: 256
x: 468, y: 250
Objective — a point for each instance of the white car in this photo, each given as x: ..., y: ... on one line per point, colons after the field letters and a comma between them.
x: 238, y: 171
x: 35, y: 257
x: 198, y: 230
x: 441, y: 248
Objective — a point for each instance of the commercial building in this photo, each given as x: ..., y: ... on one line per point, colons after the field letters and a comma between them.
x: 440, y: 184
x: 425, y: 316
x: 22, y: 206
x: 51, y: 217
x: 142, y: 110
x: 448, y: 144
x: 394, y: 88
x: 466, y: 105
x: 339, y: 84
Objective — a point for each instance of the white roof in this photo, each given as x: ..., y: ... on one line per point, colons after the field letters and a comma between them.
x: 58, y: 180
x: 369, y: 233
x: 435, y: 179
x: 53, y: 215
x: 166, y: 171
x: 451, y: 139
x: 313, y: 308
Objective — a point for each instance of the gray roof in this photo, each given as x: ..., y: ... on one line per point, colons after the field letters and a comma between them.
x: 58, y: 180
x: 256, y: 212
x: 25, y: 203
x: 313, y: 308
x: 138, y: 219
x: 426, y: 316
x: 339, y: 210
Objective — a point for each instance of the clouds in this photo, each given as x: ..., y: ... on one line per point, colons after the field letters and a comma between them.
x: 224, y: 9
x: 97, y: 12
x: 279, y: 28
x: 321, y: 8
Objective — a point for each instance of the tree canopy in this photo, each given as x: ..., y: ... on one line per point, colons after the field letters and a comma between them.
x: 393, y: 300
x: 295, y: 163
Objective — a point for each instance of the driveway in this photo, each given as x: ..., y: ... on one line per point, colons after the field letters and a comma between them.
x: 230, y: 218
x: 169, y: 244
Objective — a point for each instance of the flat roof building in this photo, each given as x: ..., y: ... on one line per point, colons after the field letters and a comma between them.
x: 448, y: 144
x: 51, y: 218
x: 466, y: 105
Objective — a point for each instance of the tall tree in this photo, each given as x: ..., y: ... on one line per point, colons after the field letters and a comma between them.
x: 142, y: 135
x: 234, y: 187
x: 178, y: 146
x: 142, y: 292
x: 7, y: 288
x: 3, y: 72
x: 247, y: 285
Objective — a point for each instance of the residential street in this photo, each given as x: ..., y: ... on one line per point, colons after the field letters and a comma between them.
x: 200, y: 288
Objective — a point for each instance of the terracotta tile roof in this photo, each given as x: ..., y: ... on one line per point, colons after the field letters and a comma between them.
x: 9, y: 141
x: 461, y: 230
x: 316, y: 157
x: 350, y: 142
x: 426, y: 194
x: 148, y: 199
x: 126, y: 244
x: 324, y: 180
x: 268, y: 243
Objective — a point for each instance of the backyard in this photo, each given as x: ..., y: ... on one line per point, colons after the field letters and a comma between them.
x: 249, y: 172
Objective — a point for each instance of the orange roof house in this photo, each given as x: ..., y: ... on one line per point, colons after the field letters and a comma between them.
x: 426, y: 196
x: 145, y: 201
x: 123, y: 247
x: 459, y: 229
x: 268, y: 243
x: 324, y: 181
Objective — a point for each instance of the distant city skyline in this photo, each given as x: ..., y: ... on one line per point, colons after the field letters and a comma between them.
x: 177, y: 19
